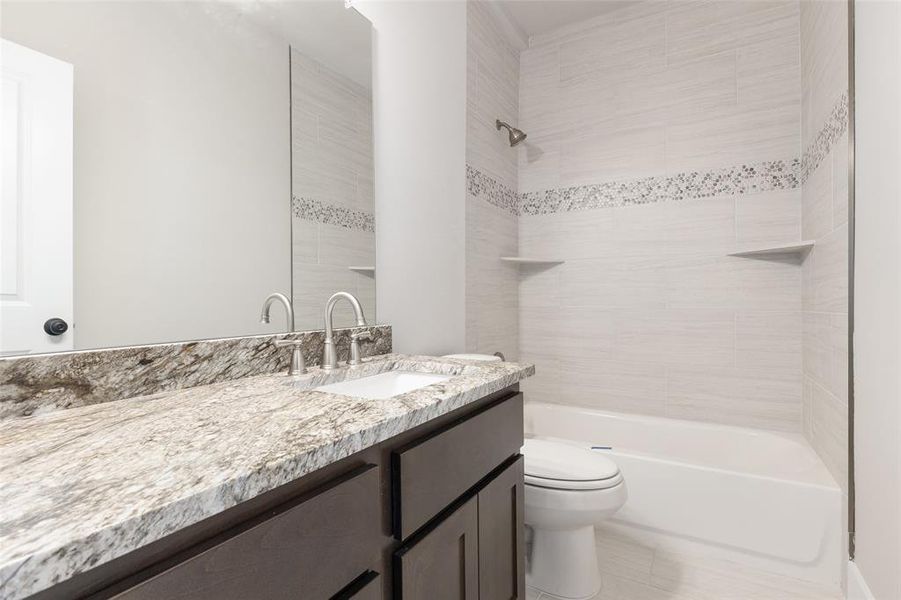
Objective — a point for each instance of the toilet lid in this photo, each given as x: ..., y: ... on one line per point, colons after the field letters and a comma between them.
x: 567, y: 466
x: 482, y: 357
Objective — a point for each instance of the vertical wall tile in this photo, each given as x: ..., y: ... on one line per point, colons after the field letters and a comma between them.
x: 696, y: 29
x: 769, y: 340
x: 612, y: 282
x: 807, y: 407
x: 332, y: 166
x: 829, y: 276
x: 769, y: 218
x: 569, y: 235
x: 816, y: 201
x: 615, y: 385
x: 743, y: 396
x: 824, y: 80
x: 492, y: 294
x: 604, y: 154
x: 305, y: 241
x: 647, y: 293
x: 840, y: 174
x: 770, y: 73
x: 732, y: 137
x: 676, y: 336
x: 824, y: 62
x: 829, y: 432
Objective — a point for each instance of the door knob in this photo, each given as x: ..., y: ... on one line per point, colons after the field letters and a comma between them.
x: 55, y: 326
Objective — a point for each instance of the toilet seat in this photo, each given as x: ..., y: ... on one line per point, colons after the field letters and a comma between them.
x: 565, y: 484
x: 562, y: 466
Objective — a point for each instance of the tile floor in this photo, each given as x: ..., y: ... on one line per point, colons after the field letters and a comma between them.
x: 641, y: 569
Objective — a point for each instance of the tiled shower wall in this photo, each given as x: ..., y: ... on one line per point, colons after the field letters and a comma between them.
x: 663, y: 136
x: 492, y: 90
x: 824, y: 219
x: 333, y: 226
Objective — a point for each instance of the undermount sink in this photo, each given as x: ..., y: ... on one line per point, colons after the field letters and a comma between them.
x: 383, y: 385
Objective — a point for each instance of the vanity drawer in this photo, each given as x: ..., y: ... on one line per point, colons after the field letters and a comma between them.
x: 311, y: 548
x: 432, y: 472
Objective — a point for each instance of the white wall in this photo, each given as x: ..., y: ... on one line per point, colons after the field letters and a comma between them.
x: 419, y: 127
x: 877, y: 296
x: 182, y: 165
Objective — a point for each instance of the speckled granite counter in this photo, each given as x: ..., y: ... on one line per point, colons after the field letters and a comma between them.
x: 83, y: 486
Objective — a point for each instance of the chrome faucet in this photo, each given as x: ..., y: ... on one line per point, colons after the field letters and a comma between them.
x: 297, y: 363
x: 329, y: 354
x: 264, y: 313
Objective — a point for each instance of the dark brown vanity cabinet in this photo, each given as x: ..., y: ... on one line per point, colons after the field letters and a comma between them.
x: 474, y: 552
x: 435, y: 512
x: 444, y: 563
x: 501, y: 536
x: 313, y: 547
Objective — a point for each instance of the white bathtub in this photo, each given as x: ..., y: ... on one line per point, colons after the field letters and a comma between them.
x: 761, y: 498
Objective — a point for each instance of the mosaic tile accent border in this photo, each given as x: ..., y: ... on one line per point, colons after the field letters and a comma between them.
x: 834, y: 127
x: 743, y: 179
x: 494, y: 192
x: 332, y: 214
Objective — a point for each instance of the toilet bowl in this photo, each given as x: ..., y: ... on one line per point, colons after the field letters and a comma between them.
x: 568, y: 490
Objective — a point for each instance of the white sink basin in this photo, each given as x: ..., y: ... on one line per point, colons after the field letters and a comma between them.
x: 383, y: 385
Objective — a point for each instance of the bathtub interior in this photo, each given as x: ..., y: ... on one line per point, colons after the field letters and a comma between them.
x: 755, y: 498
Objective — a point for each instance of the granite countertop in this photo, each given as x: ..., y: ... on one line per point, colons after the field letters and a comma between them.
x: 83, y: 486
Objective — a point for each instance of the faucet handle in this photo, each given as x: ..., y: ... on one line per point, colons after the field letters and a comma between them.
x: 355, y: 337
x: 298, y: 366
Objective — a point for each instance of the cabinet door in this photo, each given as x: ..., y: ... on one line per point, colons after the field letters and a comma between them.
x: 443, y: 564
x: 432, y: 472
x: 501, y: 532
x: 311, y: 548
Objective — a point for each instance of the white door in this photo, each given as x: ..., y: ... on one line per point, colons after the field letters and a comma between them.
x: 35, y: 201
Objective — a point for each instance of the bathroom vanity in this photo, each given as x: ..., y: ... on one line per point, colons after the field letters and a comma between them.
x: 266, y: 487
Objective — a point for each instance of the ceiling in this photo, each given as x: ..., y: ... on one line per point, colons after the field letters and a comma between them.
x: 324, y: 30
x: 534, y: 17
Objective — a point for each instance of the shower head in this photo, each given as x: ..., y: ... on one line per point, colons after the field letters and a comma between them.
x: 516, y: 135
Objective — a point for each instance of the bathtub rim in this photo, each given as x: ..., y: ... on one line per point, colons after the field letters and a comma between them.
x: 818, y: 477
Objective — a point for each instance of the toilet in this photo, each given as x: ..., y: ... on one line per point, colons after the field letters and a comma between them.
x: 568, y: 490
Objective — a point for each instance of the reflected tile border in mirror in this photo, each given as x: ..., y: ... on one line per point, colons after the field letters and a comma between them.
x: 332, y: 214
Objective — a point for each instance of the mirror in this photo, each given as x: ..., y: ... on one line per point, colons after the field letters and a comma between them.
x: 167, y: 165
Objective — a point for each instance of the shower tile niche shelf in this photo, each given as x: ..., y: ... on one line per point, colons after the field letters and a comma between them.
x: 797, y: 248
x: 522, y: 260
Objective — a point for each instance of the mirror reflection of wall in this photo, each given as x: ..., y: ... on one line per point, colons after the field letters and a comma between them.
x: 179, y: 156
x: 333, y: 227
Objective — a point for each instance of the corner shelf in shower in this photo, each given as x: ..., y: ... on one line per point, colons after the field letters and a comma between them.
x: 796, y: 248
x: 522, y: 260
x: 363, y: 269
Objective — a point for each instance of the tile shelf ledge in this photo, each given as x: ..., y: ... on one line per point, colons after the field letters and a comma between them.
x: 798, y: 248
x: 363, y: 269
x: 522, y: 260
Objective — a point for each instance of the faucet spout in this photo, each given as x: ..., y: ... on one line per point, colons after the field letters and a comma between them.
x: 297, y: 364
x: 267, y: 305
x: 329, y: 354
